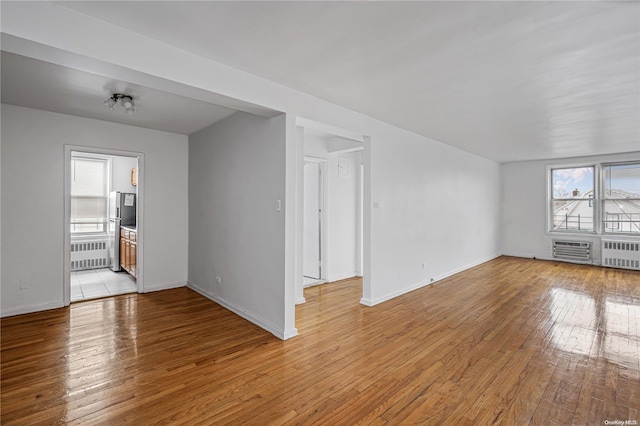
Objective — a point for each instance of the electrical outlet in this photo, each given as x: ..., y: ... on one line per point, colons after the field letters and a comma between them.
x: 424, y: 266
x: 24, y: 284
x: 218, y: 280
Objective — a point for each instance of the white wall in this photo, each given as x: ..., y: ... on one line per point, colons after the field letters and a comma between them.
x: 437, y: 206
x: 342, y: 217
x: 524, y: 207
x: 121, y: 173
x: 33, y: 206
x: 236, y: 176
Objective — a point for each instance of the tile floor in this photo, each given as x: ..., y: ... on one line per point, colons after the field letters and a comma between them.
x: 95, y: 283
x: 308, y: 281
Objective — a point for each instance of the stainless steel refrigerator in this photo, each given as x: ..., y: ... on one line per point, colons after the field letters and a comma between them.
x: 122, y: 212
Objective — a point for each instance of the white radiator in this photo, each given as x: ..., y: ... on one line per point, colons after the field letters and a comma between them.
x: 621, y: 254
x: 572, y: 250
x: 89, y: 254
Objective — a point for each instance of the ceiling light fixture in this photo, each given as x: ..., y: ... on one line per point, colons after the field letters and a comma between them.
x: 125, y: 102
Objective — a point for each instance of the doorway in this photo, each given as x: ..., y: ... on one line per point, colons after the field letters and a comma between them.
x: 331, y: 209
x: 313, y: 222
x: 103, y: 223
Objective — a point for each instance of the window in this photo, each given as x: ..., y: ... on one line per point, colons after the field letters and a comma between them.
x: 89, y: 194
x: 602, y: 198
x: 572, y: 199
x: 621, y: 198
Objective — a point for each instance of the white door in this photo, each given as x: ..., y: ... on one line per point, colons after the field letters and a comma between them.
x: 311, y: 221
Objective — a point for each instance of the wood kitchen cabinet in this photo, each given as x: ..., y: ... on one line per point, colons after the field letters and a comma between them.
x: 133, y: 250
x: 123, y: 251
x: 128, y: 250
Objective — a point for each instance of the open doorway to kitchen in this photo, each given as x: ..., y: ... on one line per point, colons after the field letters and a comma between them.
x: 102, y: 220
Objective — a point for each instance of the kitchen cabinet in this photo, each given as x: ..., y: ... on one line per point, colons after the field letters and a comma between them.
x: 128, y: 250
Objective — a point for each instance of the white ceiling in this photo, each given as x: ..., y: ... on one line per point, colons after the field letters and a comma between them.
x: 505, y: 80
x: 37, y: 84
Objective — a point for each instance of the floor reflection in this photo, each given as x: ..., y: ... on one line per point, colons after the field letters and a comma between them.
x: 582, y: 327
x: 621, y: 335
x: 93, y: 353
x: 574, y: 321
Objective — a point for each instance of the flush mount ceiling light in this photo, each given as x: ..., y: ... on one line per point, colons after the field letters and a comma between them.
x: 125, y: 102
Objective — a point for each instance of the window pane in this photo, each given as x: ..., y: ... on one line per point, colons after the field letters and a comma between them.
x: 89, y: 188
x: 572, y: 182
x: 84, y: 208
x: 573, y: 215
x: 622, y: 181
x: 89, y: 177
x: 621, y: 216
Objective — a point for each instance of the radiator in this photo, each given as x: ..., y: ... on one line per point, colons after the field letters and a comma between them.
x: 89, y: 254
x: 621, y: 254
x: 572, y: 250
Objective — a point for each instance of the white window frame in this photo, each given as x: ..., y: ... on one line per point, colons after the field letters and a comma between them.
x: 599, y: 226
x: 606, y: 229
x: 550, y: 199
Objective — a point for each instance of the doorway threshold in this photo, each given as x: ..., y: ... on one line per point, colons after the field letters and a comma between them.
x: 98, y: 283
x: 309, y: 281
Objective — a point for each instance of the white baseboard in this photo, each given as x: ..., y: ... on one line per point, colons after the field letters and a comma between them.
x: 529, y: 255
x: 468, y: 266
x: 389, y: 296
x: 28, y: 309
x: 163, y: 286
x: 594, y: 262
x: 276, y: 331
x: 338, y: 277
x: 366, y: 302
x: 301, y: 301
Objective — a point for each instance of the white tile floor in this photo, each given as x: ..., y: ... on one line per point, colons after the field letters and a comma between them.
x: 95, y: 283
x: 308, y: 281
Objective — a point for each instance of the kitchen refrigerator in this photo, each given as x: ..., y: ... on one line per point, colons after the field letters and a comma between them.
x: 122, y: 212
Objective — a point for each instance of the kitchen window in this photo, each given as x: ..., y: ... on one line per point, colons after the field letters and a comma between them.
x: 89, y: 194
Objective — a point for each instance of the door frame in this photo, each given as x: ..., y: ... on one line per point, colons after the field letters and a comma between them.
x: 322, y: 204
x: 298, y: 133
x: 68, y: 149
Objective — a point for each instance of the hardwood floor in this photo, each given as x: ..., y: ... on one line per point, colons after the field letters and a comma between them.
x: 512, y: 341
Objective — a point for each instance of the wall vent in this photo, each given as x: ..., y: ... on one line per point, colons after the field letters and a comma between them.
x: 572, y: 250
x: 89, y: 255
x: 621, y: 254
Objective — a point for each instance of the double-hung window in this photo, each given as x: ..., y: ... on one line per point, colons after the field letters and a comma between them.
x: 89, y: 194
x: 573, y: 191
x: 621, y: 198
x: 599, y: 198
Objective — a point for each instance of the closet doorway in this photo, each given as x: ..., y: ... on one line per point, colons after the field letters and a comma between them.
x: 330, y: 208
x: 313, y: 221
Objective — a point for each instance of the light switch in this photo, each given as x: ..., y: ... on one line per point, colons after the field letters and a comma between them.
x: 278, y: 205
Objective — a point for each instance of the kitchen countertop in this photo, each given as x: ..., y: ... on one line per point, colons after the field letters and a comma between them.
x: 129, y: 228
